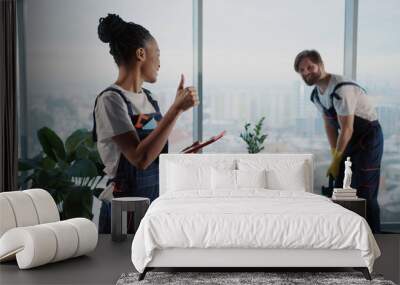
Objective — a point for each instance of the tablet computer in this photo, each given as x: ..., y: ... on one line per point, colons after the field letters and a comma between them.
x: 199, y: 145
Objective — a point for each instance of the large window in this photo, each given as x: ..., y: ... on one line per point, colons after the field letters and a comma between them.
x: 248, y: 52
x: 378, y: 69
x: 67, y: 65
x: 248, y: 72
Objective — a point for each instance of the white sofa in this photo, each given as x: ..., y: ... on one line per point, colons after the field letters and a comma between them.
x: 31, y: 231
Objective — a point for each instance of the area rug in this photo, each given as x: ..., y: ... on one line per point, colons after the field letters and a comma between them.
x: 243, y: 278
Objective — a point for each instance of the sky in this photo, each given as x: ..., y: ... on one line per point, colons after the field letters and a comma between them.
x: 245, y: 42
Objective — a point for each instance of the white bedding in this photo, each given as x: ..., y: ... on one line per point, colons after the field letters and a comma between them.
x: 251, y: 218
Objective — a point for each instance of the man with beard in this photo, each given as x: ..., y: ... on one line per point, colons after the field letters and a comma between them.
x: 352, y: 127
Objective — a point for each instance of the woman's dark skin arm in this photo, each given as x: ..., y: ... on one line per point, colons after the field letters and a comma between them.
x: 142, y: 153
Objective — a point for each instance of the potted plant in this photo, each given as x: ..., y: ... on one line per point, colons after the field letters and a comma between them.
x: 69, y: 171
x: 254, y: 138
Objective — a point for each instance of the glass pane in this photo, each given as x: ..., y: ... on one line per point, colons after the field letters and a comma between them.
x: 248, y: 72
x: 378, y: 69
x: 67, y: 65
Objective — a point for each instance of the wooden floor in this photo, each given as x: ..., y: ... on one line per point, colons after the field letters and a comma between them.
x: 110, y: 259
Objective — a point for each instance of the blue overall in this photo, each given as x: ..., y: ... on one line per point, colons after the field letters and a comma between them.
x: 130, y: 181
x: 365, y: 149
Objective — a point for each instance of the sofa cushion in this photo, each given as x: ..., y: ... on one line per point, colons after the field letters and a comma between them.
x: 26, y: 208
x: 24, y: 211
x: 45, y: 206
x: 7, y: 218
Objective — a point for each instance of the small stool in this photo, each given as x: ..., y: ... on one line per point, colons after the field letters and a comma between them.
x: 119, y: 208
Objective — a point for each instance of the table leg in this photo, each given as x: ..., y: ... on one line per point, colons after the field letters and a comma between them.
x: 116, y: 222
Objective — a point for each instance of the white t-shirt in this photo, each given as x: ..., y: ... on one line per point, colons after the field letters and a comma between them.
x: 112, y: 119
x: 354, y: 101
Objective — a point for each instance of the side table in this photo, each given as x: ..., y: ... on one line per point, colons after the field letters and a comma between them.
x: 358, y: 205
x: 119, y: 208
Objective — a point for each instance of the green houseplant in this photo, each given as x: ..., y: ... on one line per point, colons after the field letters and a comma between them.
x: 69, y: 171
x: 254, y: 138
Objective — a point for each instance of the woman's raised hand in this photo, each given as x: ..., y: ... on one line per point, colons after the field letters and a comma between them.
x: 186, y: 97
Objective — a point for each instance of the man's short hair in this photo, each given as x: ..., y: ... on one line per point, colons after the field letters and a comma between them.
x: 312, y: 54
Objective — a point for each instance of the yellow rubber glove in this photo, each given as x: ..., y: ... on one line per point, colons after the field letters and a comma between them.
x: 333, y: 151
x: 333, y: 169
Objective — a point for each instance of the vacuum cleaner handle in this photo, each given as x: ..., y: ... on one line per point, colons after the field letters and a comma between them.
x: 331, y: 182
x: 327, y: 191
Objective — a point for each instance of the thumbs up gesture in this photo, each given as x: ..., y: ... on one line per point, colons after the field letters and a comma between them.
x: 186, y: 97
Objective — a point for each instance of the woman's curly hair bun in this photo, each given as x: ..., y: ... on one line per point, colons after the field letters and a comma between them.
x: 110, y: 28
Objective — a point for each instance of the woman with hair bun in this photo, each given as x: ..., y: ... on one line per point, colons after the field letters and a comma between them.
x: 128, y: 126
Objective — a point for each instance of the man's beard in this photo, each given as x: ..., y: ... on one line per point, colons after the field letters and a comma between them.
x: 311, y: 80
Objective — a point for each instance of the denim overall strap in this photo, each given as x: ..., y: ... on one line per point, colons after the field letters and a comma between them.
x: 153, y: 102
x: 346, y: 83
x: 94, y: 132
x: 157, y: 115
x: 330, y: 114
x: 130, y: 181
x: 314, y: 93
x: 361, y: 125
